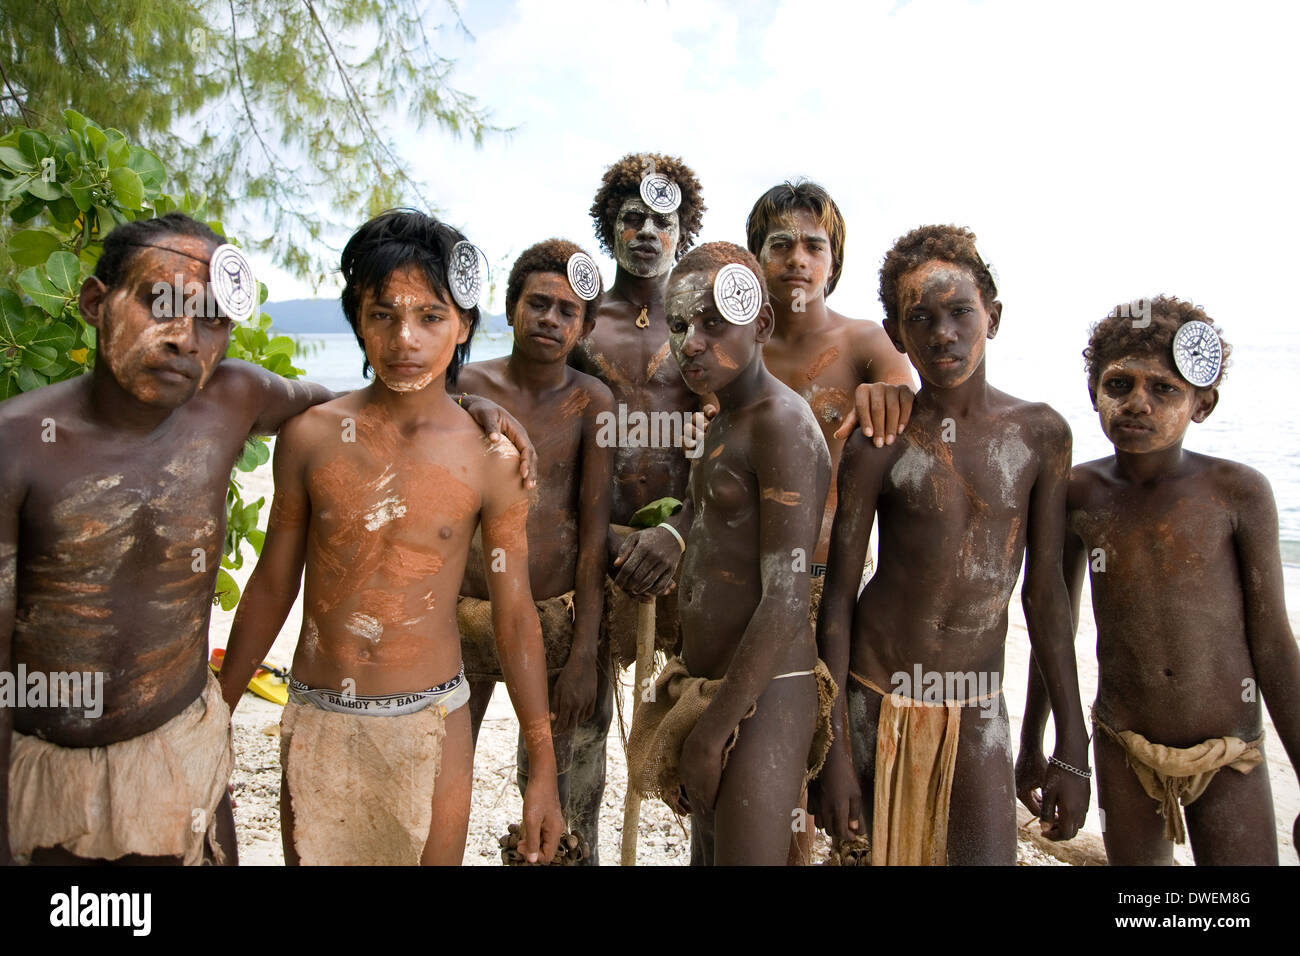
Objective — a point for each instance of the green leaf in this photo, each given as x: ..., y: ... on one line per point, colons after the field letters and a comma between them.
x: 255, y: 454
x: 76, y: 122
x: 11, y: 316
x: 655, y: 513
x: 27, y: 209
x: 81, y: 190
x: 49, y: 191
x: 37, y: 285
x: 98, y: 141
x: 54, y: 336
x: 151, y: 170
x: 64, y: 271
x: 15, y: 160
x: 281, y: 343
x: 227, y: 591
x: 118, y: 153
x: 63, y: 210
x: 257, y: 539
x: 29, y: 379
x: 278, y: 363
x: 128, y: 187
x: 31, y: 247
x: 68, y: 148
x: 34, y: 145
x: 8, y: 386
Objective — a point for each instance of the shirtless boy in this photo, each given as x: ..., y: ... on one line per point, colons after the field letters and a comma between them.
x: 797, y: 232
x: 379, y: 494
x: 628, y: 351
x: 551, y: 300
x: 975, y: 484
x: 729, y: 731
x: 1188, y: 599
x: 117, y: 480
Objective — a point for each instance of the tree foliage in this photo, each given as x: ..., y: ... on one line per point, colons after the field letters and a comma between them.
x: 275, y: 109
x: 65, y: 192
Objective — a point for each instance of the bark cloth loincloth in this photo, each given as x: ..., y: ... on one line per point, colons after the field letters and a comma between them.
x: 478, y: 642
x: 660, y: 728
x: 915, y: 761
x: 361, y: 786
x: 152, y: 795
x: 1174, y: 775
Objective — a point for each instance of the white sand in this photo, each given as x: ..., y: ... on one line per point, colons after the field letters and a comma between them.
x: 662, y: 839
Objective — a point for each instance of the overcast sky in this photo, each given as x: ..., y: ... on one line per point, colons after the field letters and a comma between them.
x: 1101, y: 152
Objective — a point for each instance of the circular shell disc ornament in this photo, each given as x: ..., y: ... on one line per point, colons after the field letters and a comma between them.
x: 737, y: 294
x: 464, y: 275
x: 1198, y: 353
x: 584, y: 276
x: 233, y: 284
x: 660, y: 193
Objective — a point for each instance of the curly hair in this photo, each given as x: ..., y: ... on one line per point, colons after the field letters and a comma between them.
x: 388, y: 242
x: 781, y: 201
x: 623, y: 181
x: 552, y: 255
x: 712, y: 256
x: 1119, y: 335
x: 947, y: 243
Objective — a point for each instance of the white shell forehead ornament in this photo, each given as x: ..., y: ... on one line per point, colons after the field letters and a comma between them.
x: 660, y: 193
x: 233, y: 285
x: 1198, y: 353
x: 584, y: 277
x: 737, y: 293
x: 464, y: 274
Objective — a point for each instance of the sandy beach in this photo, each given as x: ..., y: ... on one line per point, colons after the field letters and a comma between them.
x: 663, y: 838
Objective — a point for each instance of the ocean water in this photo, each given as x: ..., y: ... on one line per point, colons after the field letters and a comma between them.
x: 1253, y: 423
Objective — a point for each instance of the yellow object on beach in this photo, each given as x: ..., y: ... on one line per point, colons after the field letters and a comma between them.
x: 266, y: 682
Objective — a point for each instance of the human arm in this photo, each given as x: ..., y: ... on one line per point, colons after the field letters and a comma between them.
x: 11, y: 495
x: 504, y: 521
x: 1272, y: 645
x: 1031, y: 764
x: 574, y: 698
x: 835, y: 798
x: 268, y: 400
x: 274, y: 583
x: 790, y: 489
x: 1047, y: 613
x: 883, y: 400
x: 647, y: 559
x: 497, y: 422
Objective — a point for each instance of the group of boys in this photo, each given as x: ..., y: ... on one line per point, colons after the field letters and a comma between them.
x: 442, y: 552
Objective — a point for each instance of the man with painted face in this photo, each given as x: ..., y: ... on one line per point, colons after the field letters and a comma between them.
x: 740, y: 720
x: 118, y: 481
x: 797, y: 233
x: 646, y: 232
x: 378, y: 496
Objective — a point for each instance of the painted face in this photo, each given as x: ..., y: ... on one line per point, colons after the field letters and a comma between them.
x: 710, y: 351
x: 796, y: 258
x: 645, y: 242
x: 1144, y: 405
x: 161, y: 357
x: 942, y: 322
x: 548, y: 318
x: 411, y: 332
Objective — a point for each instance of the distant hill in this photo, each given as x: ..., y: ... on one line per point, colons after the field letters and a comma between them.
x: 319, y: 316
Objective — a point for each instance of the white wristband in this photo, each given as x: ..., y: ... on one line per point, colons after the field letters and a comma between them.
x: 675, y: 533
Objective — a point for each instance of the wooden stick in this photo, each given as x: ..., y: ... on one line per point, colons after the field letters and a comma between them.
x: 645, y: 662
